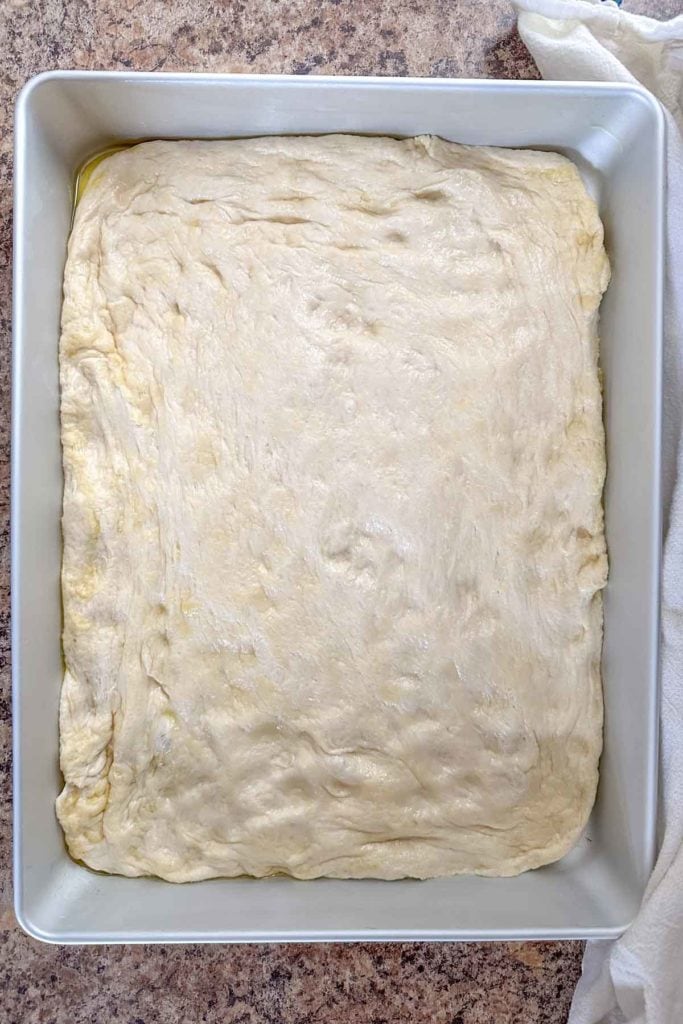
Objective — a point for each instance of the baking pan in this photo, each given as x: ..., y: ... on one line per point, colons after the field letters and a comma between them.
x: 615, y: 135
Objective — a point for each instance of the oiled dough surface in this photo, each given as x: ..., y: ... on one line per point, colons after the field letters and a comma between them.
x: 333, y: 536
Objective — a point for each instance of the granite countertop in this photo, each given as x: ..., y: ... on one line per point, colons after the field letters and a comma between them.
x: 455, y: 983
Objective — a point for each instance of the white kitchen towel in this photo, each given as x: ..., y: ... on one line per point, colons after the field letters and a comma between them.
x: 639, y: 978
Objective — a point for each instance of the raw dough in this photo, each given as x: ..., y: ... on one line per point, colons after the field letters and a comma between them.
x: 333, y: 536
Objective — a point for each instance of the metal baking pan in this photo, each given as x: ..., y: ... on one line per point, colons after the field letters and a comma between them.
x: 615, y: 135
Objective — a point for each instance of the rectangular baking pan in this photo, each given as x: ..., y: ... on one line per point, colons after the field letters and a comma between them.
x: 615, y: 135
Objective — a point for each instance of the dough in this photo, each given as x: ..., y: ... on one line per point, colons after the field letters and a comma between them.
x: 333, y: 535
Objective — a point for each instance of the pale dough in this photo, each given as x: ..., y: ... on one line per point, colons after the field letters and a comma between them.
x: 333, y: 535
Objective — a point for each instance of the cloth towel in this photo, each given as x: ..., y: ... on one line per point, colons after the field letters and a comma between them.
x: 638, y: 979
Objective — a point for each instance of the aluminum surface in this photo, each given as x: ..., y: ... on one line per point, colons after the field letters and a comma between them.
x: 615, y: 135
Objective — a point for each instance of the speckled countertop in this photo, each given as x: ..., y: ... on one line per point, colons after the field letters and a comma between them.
x: 526, y: 983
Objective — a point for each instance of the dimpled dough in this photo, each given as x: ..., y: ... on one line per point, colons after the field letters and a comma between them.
x: 333, y: 535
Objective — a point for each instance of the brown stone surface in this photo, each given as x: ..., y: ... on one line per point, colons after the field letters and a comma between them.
x: 528, y: 983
